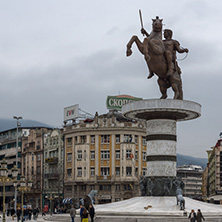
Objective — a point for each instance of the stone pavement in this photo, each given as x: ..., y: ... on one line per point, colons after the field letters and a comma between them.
x: 53, y: 218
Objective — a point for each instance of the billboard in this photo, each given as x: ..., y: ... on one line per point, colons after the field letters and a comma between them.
x: 71, y: 112
x: 116, y: 102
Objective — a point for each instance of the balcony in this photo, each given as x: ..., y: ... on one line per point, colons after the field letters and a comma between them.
x: 103, y: 178
x: 51, y: 160
x: 52, y: 176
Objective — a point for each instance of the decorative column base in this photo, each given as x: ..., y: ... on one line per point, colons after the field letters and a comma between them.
x: 161, y: 116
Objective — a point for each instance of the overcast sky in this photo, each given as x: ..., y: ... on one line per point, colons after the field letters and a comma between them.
x: 56, y: 53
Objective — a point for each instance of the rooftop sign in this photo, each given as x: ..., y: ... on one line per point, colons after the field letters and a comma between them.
x: 71, y: 112
x: 116, y: 102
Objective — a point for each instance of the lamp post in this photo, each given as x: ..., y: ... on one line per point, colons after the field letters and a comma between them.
x: 4, y: 178
x: 51, y: 198
x: 18, y: 124
x: 23, y: 188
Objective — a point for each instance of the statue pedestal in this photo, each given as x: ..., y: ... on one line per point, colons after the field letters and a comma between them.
x: 161, y: 116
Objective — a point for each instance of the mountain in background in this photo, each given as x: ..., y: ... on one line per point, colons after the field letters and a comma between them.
x: 7, y: 124
x: 189, y: 160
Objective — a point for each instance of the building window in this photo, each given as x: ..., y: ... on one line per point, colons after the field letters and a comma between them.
x: 136, y: 155
x: 128, y: 154
x: 79, y: 171
x: 69, y: 189
x: 84, y: 171
x: 117, y: 171
x: 92, y: 187
x: 69, y: 141
x: 93, y: 139
x: 38, y: 170
x: 82, y: 139
x: 117, y: 154
x: 105, y: 187
x: 117, y: 187
x: 79, y: 154
x: 69, y: 157
x: 69, y: 172
x: 104, y: 171
x: 144, y: 156
x: 84, y: 154
x: 32, y: 157
x: 105, y: 138
x: 136, y: 171
x: 76, y: 139
x: 92, y: 171
x: 92, y: 154
x: 38, y: 184
x: 117, y: 138
x: 105, y: 155
x: 39, y: 157
x: 143, y: 140
x: 136, y: 139
x: 83, y: 188
x: 144, y: 171
x: 128, y: 171
x: 128, y: 138
x: 128, y: 187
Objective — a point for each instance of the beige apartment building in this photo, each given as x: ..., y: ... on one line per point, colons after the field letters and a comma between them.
x: 107, y: 154
x: 32, y: 164
x: 53, y: 169
x: 214, y: 185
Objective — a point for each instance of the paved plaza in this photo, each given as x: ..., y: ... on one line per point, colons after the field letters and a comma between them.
x: 54, y: 217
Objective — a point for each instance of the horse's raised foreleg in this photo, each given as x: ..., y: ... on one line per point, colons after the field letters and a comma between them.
x: 129, y: 45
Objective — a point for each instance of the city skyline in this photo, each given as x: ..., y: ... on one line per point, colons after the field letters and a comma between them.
x: 55, y: 54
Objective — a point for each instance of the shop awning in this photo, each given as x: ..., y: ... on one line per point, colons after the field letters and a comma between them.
x: 67, y: 201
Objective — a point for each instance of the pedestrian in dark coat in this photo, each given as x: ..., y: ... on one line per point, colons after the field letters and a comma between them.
x: 199, y: 216
x: 30, y: 213
x: 91, y: 212
x: 192, y: 216
x: 12, y: 213
x: 18, y: 213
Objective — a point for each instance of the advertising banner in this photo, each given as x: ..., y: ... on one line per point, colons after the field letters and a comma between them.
x: 116, y: 102
x: 71, y: 112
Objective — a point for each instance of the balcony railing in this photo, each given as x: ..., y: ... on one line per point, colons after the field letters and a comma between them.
x: 51, y: 175
x: 103, y: 177
x: 51, y: 160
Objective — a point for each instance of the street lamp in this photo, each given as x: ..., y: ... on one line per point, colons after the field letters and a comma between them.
x: 4, y: 178
x: 18, y: 124
x: 23, y: 188
x: 51, y: 198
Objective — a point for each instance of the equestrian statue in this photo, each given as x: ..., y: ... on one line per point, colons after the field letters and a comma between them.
x: 160, y: 57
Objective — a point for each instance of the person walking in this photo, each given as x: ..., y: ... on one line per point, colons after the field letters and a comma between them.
x: 73, y: 213
x: 85, y: 215
x: 30, y: 213
x: 13, y: 213
x: 81, y: 210
x: 34, y: 214
x: 18, y: 213
x: 192, y: 216
x: 91, y: 212
x: 199, y: 216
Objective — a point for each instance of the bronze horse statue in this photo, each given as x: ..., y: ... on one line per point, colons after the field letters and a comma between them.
x: 153, y: 50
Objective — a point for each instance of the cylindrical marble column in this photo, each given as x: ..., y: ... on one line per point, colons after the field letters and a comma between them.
x: 161, y: 148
